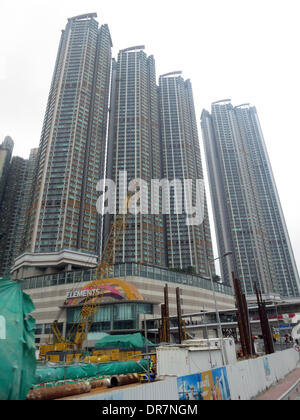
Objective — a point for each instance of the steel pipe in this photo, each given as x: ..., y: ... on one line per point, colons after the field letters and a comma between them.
x: 120, y: 380
x: 101, y: 383
x: 59, y: 391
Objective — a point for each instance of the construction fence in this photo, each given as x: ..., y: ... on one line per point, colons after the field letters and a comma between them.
x: 241, y: 381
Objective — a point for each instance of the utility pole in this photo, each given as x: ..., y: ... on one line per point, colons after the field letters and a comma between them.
x: 220, y: 333
x: 264, y: 322
x: 243, y: 319
x: 146, y: 339
x: 179, y: 317
x: 167, y: 314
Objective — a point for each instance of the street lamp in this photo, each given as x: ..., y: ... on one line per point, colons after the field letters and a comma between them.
x: 216, y: 306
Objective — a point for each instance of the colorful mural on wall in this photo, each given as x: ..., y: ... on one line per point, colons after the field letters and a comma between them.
x: 210, y: 385
x: 115, y: 288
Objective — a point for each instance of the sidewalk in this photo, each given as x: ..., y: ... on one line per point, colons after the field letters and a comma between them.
x: 276, y: 391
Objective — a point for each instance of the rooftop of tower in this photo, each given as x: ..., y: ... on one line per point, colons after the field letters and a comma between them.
x: 137, y: 47
x: 8, y: 142
x: 221, y: 100
x: 84, y: 16
x: 242, y: 105
x: 173, y: 73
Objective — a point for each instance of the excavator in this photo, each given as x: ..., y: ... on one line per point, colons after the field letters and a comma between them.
x: 90, y: 305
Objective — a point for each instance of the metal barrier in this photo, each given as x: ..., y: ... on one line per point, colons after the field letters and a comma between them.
x: 292, y: 394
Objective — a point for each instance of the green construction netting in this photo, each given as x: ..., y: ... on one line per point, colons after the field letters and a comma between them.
x: 125, y: 341
x: 17, y: 342
x: 81, y: 371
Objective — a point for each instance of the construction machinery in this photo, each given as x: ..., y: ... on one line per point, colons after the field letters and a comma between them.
x: 71, y: 346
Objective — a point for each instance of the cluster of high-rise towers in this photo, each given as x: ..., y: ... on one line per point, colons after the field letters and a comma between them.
x: 106, y: 116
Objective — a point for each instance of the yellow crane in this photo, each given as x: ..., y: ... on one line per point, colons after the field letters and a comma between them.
x: 91, y: 304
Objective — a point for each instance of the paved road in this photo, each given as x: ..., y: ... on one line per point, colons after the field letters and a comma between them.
x: 283, y: 386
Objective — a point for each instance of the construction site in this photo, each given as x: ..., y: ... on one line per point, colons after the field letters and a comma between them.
x: 97, y: 352
x: 176, y: 365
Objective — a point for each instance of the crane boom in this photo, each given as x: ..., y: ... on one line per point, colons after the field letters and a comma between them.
x: 111, y: 248
x: 56, y: 332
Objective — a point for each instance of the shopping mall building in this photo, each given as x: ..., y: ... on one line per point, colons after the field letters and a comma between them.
x: 131, y: 293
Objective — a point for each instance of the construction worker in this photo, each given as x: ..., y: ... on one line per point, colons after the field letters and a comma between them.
x: 152, y: 372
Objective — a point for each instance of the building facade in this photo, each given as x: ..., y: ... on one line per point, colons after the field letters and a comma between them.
x: 134, y: 153
x: 248, y: 216
x: 188, y: 239
x: 24, y: 219
x: 11, y: 209
x: 6, y: 149
x: 53, y: 297
x: 108, y: 119
x: 64, y: 224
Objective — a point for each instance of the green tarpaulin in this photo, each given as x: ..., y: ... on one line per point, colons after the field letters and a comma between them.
x: 17, y: 345
x: 81, y: 371
x: 125, y: 341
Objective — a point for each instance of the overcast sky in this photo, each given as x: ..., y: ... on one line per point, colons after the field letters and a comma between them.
x: 246, y: 50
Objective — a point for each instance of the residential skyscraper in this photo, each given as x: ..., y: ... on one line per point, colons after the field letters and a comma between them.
x: 64, y: 224
x: 11, y: 209
x: 6, y: 149
x: 248, y: 216
x: 135, y: 149
x: 188, y: 245
x: 24, y: 220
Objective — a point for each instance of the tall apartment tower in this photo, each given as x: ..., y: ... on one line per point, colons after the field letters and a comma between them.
x: 188, y: 244
x: 6, y: 149
x: 135, y: 150
x: 24, y: 220
x: 11, y: 209
x: 248, y: 215
x: 64, y: 224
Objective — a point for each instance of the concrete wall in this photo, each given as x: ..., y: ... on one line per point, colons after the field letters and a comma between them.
x: 249, y: 378
x: 158, y: 391
x: 246, y: 380
x: 182, y: 361
x: 194, y: 356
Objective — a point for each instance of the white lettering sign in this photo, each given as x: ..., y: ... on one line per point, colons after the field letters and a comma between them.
x: 83, y: 293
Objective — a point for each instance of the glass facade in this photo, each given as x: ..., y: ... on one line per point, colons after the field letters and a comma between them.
x: 135, y: 149
x: 124, y: 270
x: 71, y: 154
x: 248, y: 216
x: 121, y: 316
x: 11, y: 213
x: 187, y: 245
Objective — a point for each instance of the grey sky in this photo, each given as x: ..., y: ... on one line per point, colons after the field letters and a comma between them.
x: 244, y: 50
